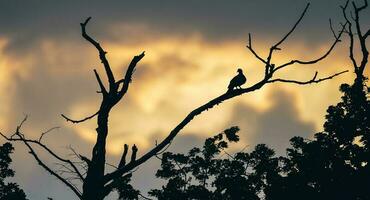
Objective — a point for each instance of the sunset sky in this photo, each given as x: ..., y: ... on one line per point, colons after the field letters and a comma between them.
x: 193, y: 48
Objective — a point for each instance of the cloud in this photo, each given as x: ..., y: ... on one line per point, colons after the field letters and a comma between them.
x: 50, y: 71
x: 26, y: 23
x: 273, y: 126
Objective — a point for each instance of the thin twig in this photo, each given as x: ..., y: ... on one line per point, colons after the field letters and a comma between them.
x: 81, y: 120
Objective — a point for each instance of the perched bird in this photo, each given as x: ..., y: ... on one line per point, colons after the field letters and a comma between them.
x: 237, y: 81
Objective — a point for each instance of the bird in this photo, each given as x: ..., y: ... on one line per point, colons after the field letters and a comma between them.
x: 237, y: 81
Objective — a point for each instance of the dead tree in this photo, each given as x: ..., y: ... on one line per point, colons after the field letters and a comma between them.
x: 96, y: 184
x: 354, y: 28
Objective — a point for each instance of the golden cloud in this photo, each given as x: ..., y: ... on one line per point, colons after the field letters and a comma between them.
x: 177, y: 75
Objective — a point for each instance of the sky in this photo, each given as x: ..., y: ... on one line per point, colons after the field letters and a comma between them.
x: 193, y: 48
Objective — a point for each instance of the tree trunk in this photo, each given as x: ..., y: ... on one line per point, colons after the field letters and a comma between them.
x: 93, y: 187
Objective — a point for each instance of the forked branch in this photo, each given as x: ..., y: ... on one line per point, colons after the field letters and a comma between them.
x: 102, y: 54
x: 337, y: 39
x: 19, y: 137
x: 359, y: 67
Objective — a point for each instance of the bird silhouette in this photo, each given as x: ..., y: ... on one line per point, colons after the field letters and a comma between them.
x: 237, y: 81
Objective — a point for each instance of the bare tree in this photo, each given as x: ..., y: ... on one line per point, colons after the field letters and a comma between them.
x: 354, y: 28
x: 96, y: 184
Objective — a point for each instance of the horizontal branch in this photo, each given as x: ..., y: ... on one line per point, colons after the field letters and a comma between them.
x: 313, y: 80
x: 81, y: 120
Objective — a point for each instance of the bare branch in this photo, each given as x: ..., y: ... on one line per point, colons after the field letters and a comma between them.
x: 362, y: 39
x: 249, y: 46
x: 276, y: 46
x: 39, y: 161
x: 111, y: 165
x: 313, y: 80
x: 360, y: 8
x: 81, y: 120
x: 359, y: 68
x: 337, y: 39
x: 21, y: 138
x: 144, y: 197
x: 102, y: 54
x: 85, y: 159
x: 101, y: 85
x: 134, y: 152
x: 43, y: 146
x: 293, y: 28
x: 130, y: 70
x: 350, y: 34
x: 46, y: 132
x: 268, y: 66
x: 122, y: 162
x: 81, y: 157
x: 356, y: 18
x: 164, y: 149
x: 332, y: 30
x: 367, y: 34
x: 120, y: 81
x: 48, y: 169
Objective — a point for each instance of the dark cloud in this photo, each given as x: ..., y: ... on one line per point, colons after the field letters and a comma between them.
x: 274, y: 126
x: 25, y: 22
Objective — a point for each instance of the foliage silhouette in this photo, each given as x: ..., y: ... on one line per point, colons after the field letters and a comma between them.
x: 125, y: 190
x: 202, y: 174
x: 8, y: 191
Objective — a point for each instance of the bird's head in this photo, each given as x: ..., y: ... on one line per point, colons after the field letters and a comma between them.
x: 240, y: 71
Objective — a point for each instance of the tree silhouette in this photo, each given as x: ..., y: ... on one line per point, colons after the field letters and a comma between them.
x: 189, y: 176
x: 96, y: 184
x: 8, y: 191
x: 334, y: 165
x: 203, y: 174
